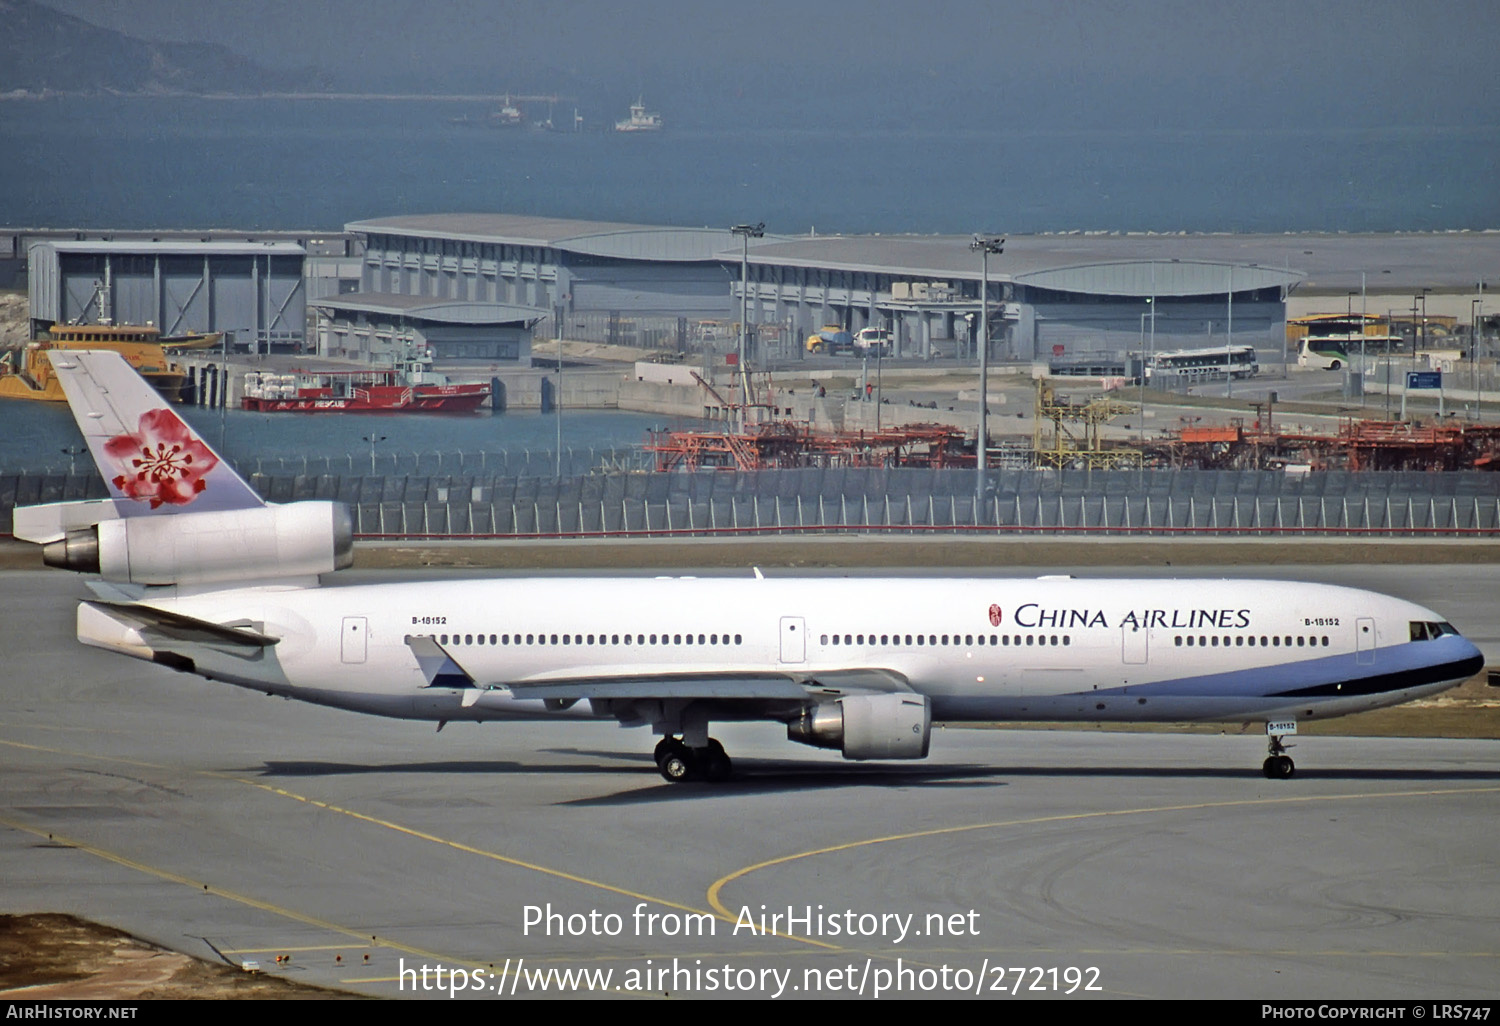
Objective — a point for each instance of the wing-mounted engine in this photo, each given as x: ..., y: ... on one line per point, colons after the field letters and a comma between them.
x: 896, y: 726
x: 300, y: 539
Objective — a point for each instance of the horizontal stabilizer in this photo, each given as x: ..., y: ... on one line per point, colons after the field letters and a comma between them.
x: 51, y: 522
x: 180, y: 627
x: 440, y: 668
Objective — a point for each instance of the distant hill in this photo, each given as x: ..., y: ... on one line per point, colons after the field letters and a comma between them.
x: 45, y: 49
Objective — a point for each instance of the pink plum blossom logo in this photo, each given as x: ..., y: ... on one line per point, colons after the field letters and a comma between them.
x: 162, y: 462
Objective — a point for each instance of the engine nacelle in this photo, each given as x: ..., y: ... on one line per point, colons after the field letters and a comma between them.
x: 299, y: 539
x: 897, y: 726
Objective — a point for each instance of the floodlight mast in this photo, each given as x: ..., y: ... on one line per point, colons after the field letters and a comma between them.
x: 985, y: 244
x: 746, y: 232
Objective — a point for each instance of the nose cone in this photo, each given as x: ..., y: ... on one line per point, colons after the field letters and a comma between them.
x: 1469, y: 654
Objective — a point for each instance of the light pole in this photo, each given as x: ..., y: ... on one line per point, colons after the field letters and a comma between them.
x: 557, y: 405
x: 1479, y: 339
x: 72, y: 452
x: 746, y: 232
x: 1229, y: 341
x: 1474, y: 353
x: 1424, y: 319
x: 1142, y: 382
x: 372, y: 439
x: 985, y: 244
x: 1349, y: 319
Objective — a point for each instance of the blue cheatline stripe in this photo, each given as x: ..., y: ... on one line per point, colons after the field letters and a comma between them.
x: 1410, y: 665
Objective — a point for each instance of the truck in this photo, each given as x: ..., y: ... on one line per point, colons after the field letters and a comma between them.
x: 872, y: 342
x: 833, y: 340
x: 830, y: 340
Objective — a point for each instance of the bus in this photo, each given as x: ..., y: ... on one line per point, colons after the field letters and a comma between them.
x: 1205, y: 364
x: 1331, y: 352
x: 1324, y: 353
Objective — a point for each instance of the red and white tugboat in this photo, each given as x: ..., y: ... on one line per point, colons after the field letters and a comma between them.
x: 409, y: 387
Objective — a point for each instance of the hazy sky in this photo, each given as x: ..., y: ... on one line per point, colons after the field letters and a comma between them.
x: 1089, y: 62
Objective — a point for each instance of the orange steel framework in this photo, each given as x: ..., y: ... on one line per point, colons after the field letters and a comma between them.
x: 782, y: 444
x: 1358, y: 445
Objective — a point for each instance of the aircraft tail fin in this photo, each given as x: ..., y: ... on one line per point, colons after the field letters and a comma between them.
x: 153, y: 461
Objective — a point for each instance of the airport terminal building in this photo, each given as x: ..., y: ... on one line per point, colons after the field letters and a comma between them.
x: 1054, y: 297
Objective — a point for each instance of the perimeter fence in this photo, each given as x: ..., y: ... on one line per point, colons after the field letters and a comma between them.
x: 870, y: 500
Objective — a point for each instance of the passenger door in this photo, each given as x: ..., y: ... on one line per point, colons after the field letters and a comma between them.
x: 1364, y: 641
x: 793, y: 639
x: 354, y: 638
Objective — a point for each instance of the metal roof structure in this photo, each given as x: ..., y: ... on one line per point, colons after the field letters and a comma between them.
x: 427, y: 308
x: 1315, y: 263
x: 148, y: 248
x: 589, y: 238
x: 1159, y: 278
x: 1331, y: 263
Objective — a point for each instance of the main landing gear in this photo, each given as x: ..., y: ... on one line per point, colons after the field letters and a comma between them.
x: 679, y: 763
x: 1278, y: 765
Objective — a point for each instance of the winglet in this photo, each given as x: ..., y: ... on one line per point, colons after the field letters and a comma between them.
x: 151, y: 459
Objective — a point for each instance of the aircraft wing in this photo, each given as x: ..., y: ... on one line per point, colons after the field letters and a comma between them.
x: 674, y: 685
x: 442, y: 669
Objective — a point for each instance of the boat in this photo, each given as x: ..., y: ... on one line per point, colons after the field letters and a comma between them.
x: 84, y: 336
x: 26, y: 371
x: 356, y: 391
x: 640, y: 120
x: 508, y: 116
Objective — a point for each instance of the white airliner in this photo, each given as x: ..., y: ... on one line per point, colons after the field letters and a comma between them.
x: 197, y: 573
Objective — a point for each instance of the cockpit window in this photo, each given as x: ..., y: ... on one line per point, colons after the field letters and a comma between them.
x: 1429, y: 631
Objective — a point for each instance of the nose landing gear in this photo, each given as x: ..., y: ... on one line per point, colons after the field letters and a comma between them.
x: 1278, y: 765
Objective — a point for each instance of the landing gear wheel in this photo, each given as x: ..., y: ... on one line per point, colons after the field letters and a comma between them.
x: 679, y: 765
x: 666, y: 745
x: 1279, y: 767
x: 715, y: 762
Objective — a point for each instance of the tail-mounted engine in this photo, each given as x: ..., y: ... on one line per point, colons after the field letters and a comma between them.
x: 895, y: 726
x: 299, y: 539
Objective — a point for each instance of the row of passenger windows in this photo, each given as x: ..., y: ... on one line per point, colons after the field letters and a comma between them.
x: 1006, y: 640
x: 593, y: 639
x: 907, y: 640
x: 921, y: 640
x: 1237, y: 640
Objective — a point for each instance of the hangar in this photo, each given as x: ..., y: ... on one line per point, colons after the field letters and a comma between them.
x: 602, y: 281
x: 255, y: 290
x: 384, y: 328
